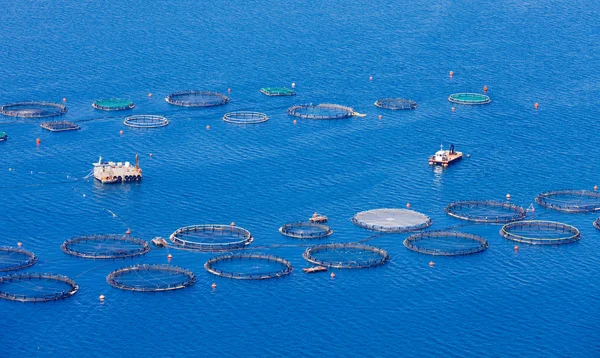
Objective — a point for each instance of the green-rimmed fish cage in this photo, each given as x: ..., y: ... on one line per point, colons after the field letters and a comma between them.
x: 113, y: 104
x: 277, y: 91
x: 469, y: 98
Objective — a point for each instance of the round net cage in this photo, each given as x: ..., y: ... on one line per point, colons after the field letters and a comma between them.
x: 245, y: 117
x: 346, y: 255
x: 396, y: 103
x: 321, y: 111
x: 197, y: 99
x: 540, y: 232
x: 446, y: 243
x: 211, y: 237
x: 305, y: 230
x: 597, y: 223
x: 33, y: 109
x: 113, y: 104
x: 105, y: 246
x: 570, y: 201
x: 12, y: 259
x: 469, y: 98
x: 249, y: 266
x: 151, y: 278
x: 146, y: 121
x: 392, y: 220
x: 486, y: 211
x: 36, y: 287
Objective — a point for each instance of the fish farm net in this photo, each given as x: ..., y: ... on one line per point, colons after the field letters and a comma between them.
x: 33, y: 109
x: 146, y: 121
x: 105, y: 246
x: 12, y: 259
x: 346, y: 255
x: 245, y: 117
x: 113, y: 104
x: 570, y: 201
x: 211, y: 237
x: 59, y: 126
x: 540, y: 232
x: 486, y: 211
x: 396, y: 103
x: 151, y: 278
x: 277, y: 91
x: 469, y: 98
x: 321, y: 111
x: 197, y: 99
x: 305, y: 230
x: 392, y: 220
x: 597, y: 223
x: 446, y: 243
x: 249, y: 266
x: 36, y: 287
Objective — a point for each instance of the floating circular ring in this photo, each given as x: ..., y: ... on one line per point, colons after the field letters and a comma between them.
x: 582, y: 200
x: 446, y: 243
x: 485, y: 211
x: 321, y: 111
x: 469, y: 98
x: 33, y: 109
x: 158, y: 278
x: 305, y: 230
x: 12, y: 259
x: 245, y: 117
x: 396, y: 103
x: 356, y: 250
x: 113, y: 104
x: 146, y: 121
x: 210, y: 237
x: 540, y: 232
x: 24, y: 286
x: 286, y: 269
x: 105, y: 247
x: 392, y: 220
x: 197, y: 99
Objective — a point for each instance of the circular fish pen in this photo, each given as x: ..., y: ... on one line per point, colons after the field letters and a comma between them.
x: 469, y: 98
x: 346, y: 255
x: 396, y: 103
x: 151, y: 278
x: 211, y: 237
x: 12, y: 259
x: 486, y: 211
x: 597, y: 223
x: 146, y: 121
x: 245, y: 117
x: 446, y: 243
x: 305, y: 230
x: 36, y: 287
x: 197, y: 99
x: 105, y: 247
x: 113, y: 104
x: 540, y: 232
x: 570, y: 201
x: 33, y: 109
x: 249, y: 266
x: 392, y: 220
x: 321, y: 111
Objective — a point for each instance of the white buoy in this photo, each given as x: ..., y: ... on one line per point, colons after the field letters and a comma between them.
x: 293, y: 85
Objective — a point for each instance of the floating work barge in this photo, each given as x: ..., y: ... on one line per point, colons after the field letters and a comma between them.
x: 59, y: 126
x: 111, y: 172
x: 159, y: 241
x: 318, y: 218
x: 445, y: 157
x: 314, y: 269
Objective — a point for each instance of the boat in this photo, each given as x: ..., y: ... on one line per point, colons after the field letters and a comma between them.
x: 159, y: 241
x: 318, y: 218
x: 445, y: 157
x: 314, y: 269
x: 3, y: 136
x: 116, y: 172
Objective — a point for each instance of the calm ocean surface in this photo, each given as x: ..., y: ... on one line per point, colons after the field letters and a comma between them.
x: 543, y: 301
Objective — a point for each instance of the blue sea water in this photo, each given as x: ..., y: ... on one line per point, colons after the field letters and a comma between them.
x: 541, y: 301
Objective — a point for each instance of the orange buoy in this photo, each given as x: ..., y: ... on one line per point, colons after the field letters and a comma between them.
x: 207, y: 127
x: 121, y: 132
x: 536, y: 105
x: 128, y: 232
x: 507, y: 196
x: 431, y: 263
x: 595, y: 187
x: 451, y: 73
x: 229, y: 90
x: 452, y: 109
x: 64, y: 99
x: 232, y: 224
x: 445, y: 165
x: 38, y: 141
x: 169, y: 256
x: 408, y: 205
x: 370, y: 78
x: 485, y: 88
x: 332, y: 275
x: 150, y: 154
x: 516, y: 248
x: 149, y: 94
x: 19, y: 244
x: 214, y: 285
x: 295, y: 121
x: 380, y: 116
x: 101, y: 297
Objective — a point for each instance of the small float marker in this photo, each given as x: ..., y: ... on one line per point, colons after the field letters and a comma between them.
x: 121, y: 132
x: 408, y: 205
x: 507, y: 196
x: 295, y: 121
x: 451, y: 73
x: 19, y: 244
x: 485, y: 88
x: 595, y: 187
x: 38, y: 141
x: 516, y: 248
x: 229, y: 90
x: 380, y: 116
x: 128, y: 232
x: 431, y: 263
x: 149, y: 94
x: 293, y: 85
x: 207, y: 127
x: 332, y: 275
x: 452, y: 109
x: 101, y: 297
x: 169, y: 256
x: 536, y: 105
x: 64, y: 99
x: 150, y: 154
x: 214, y: 285
x: 370, y: 78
